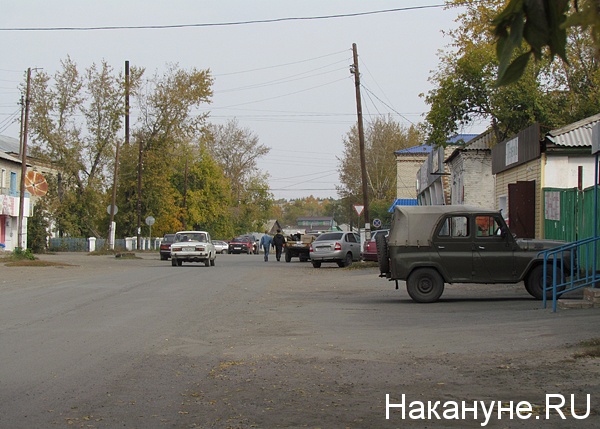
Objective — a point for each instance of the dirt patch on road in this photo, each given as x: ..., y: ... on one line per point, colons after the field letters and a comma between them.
x: 294, y: 392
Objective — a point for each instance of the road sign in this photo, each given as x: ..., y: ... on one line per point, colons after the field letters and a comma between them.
x: 150, y: 221
x: 359, y: 209
x: 108, y: 209
x: 377, y: 223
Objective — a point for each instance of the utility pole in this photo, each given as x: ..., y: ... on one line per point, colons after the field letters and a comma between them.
x: 111, y: 228
x: 185, y: 186
x: 361, y: 141
x: 139, y: 194
x: 20, y: 243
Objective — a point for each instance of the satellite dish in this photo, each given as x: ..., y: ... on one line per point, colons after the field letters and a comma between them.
x: 35, y: 184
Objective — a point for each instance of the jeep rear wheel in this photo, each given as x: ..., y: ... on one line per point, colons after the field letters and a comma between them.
x: 288, y: 257
x: 383, y: 257
x: 425, y: 285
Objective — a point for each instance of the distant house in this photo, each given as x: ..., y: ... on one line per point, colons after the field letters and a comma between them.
x: 433, y: 176
x: 272, y: 226
x: 317, y: 223
x: 10, y: 197
x: 408, y: 163
x: 10, y: 181
x: 471, y: 179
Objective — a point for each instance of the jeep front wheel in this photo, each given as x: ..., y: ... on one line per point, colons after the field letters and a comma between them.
x: 534, y: 283
x: 425, y: 285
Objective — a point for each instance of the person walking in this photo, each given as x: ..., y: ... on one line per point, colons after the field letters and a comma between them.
x: 278, y: 242
x: 266, y: 242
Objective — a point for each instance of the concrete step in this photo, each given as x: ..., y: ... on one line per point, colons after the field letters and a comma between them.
x: 574, y: 303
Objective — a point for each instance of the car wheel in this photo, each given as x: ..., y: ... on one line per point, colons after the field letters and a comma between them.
x: 534, y: 284
x: 383, y: 257
x: 303, y: 258
x: 163, y: 258
x: 316, y: 264
x: 207, y: 261
x: 425, y: 285
x: 212, y: 262
x: 224, y: 251
x: 174, y: 262
x: 179, y: 263
x: 288, y: 257
x: 347, y: 260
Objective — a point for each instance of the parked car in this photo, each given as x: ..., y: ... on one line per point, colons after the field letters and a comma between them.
x: 298, y: 246
x: 241, y: 244
x: 165, y: 246
x: 431, y: 245
x: 221, y: 246
x: 255, y: 243
x: 370, y: 250
x: 340, y: 247
x: 193, y: 246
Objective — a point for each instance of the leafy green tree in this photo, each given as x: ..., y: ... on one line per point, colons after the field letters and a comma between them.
x: 465, y: 87
x: 168, y: 131
x: 37, y: 228
x: 540, y: 29
x: 81, y: 152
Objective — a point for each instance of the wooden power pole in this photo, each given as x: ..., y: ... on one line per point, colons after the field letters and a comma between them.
x: 20, y: 243
x: 361, y: 139
x: 111, y: 228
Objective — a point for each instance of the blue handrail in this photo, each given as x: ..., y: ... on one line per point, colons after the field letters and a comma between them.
x: 582, y: 268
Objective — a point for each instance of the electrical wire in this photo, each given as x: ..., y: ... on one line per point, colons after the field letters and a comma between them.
x: 225, y: 24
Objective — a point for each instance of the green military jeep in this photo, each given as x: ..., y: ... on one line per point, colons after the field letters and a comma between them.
x: 431, y: 245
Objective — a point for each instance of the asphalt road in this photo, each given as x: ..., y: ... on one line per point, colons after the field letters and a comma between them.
x: 137, y: 343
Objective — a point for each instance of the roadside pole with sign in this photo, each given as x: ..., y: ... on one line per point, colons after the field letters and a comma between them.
x: 150, y: 221
x: 359, y: 209
x: 112, y: 227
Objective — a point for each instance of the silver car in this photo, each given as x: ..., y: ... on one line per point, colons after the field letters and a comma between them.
x: 221, y: 246
x: 340, y: 247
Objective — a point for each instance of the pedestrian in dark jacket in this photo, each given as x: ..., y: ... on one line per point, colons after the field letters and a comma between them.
x: 278, y: 242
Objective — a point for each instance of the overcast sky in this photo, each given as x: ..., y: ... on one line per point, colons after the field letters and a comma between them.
x: 287, y: 81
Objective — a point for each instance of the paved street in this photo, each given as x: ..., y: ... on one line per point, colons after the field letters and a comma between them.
x: 137, y: 343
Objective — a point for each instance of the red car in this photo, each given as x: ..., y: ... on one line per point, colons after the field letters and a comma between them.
x: 165, y: 246
x: 242, y: 244
x: 370, y: 250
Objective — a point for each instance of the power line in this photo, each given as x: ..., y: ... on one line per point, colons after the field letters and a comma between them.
x: 224, y: 24
x: 281, y: 65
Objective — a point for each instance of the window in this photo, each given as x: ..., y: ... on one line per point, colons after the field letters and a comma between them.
x: 454, y: 226
x: 351, y: 238
x: 13, y: 183
x: 487, y: 226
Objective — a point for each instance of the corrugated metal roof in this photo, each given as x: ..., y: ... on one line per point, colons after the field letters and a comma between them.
x: 577, y: 134
x: 403, y: 202
x: 9, y: 144
x: 461, y: 137
x: 424, y: 148
x: 8, y: 157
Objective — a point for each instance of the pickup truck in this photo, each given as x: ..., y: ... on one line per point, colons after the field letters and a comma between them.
x: 428, y: 246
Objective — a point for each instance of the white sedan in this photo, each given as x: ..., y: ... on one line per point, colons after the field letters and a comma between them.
x: 193, y: 246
